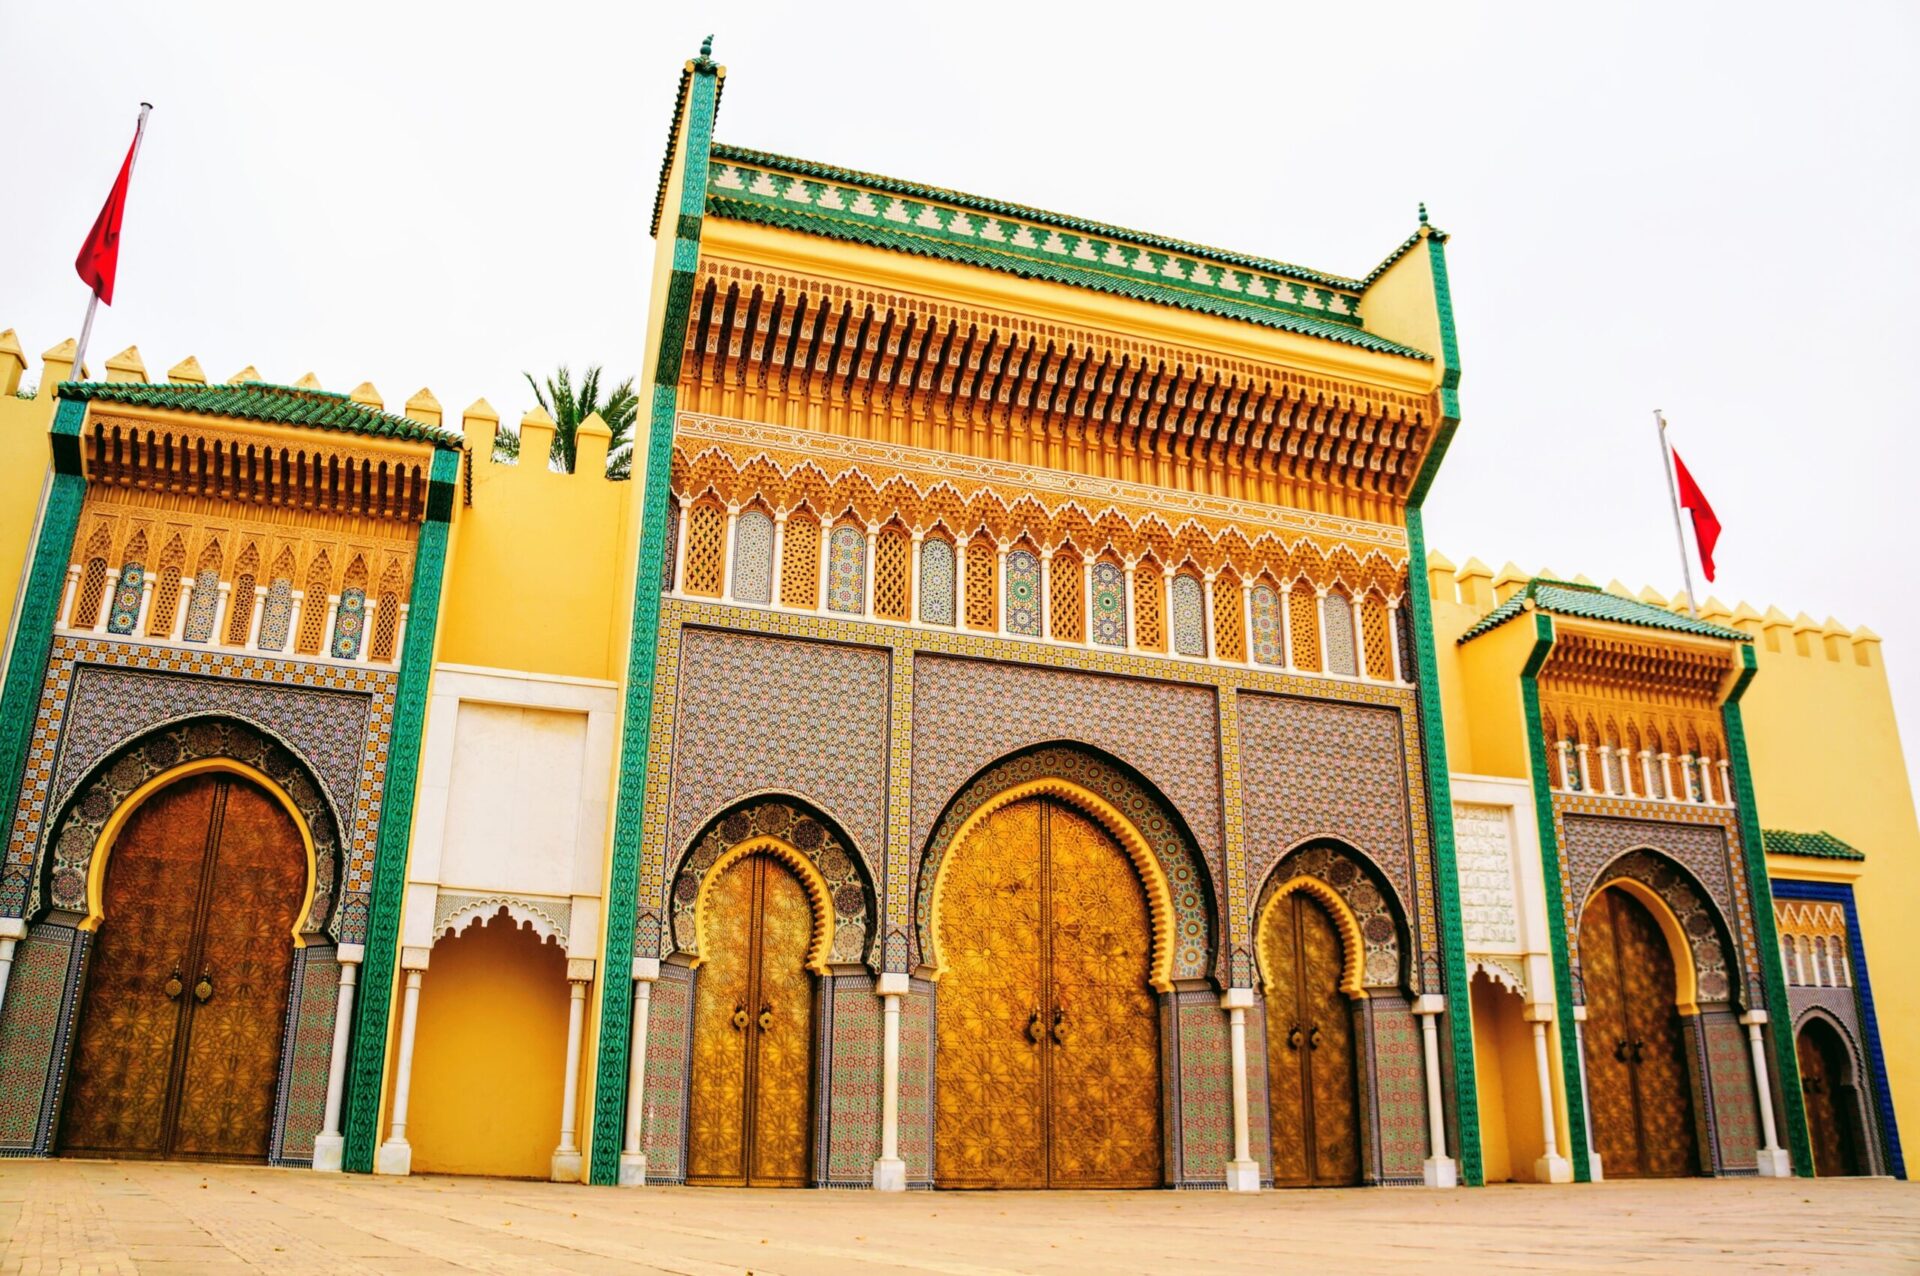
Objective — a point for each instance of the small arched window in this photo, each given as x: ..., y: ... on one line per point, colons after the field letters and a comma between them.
x: 800, y: 562
x: 892, y: 555
x: 706, y: 549
x: 1023, y: 593
x: 936, y: 581
x: 753, y: 557
x: 313, y: 606
x: 1229, y: 627
x: 1267, y: 642
x: 1303, y: 626
x: 166, y: 590
x: 1189, y: 616
x: 93, y: 582
x: 847, y: 570
x: 1066, y: 598
x: 350, y: 622
x: 1378, y: 636
x: 983, y: 565
x: 1149, y: 590
x: 1340, y: 653
x: 241, y: 602
x: 386, y: 619
x: 1109, y: 604
x: 276, y: 614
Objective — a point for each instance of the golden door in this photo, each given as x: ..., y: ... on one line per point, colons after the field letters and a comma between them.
x: 178, y: 1050
x: 1313, y: 1081
x: 753, y: 1032
x: 1637, y: 1081
x: 1048, y: 1049
x: 1829, y: 1101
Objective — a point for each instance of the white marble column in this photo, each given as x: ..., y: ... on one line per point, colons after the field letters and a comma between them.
x: 1288, y: 654
x: 1000, y: 586
x: 1551, y: 1167
x: 1582, y: 753
x: 774, y: 598
x: 567, y: 1161
x: 396, y: 1154
x: 1772, y: 1159
x: 1393, y: 642
x: 329, y: 1146
x: 1595, y: 1171
x: 633, y: 1157
x: 1646, y: 773
x: 1440, y: 1170
x: 1243, y: 1172
x: 890, y: 1172
x: 680, y: 545
x: 12, y: 931
x: 726, y: 553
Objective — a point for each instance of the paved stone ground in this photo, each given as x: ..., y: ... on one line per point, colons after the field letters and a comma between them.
x: 87, y: 1216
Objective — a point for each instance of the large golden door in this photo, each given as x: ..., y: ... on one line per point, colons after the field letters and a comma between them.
x: 1637, y: 1079
x: 178, y: 1050
x: 1830, y: 1101
x: 1313, y: 1081
x: 1048, y: 1050
x: 753, y: 1032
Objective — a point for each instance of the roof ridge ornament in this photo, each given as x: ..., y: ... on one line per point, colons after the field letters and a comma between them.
x: 1423, y: 212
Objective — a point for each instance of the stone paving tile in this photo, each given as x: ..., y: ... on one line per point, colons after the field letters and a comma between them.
x: 74, y: 1216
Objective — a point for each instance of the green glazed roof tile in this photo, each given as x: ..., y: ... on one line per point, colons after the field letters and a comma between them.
x: 1818, y: 846
x: 1590, y: 602
x: 269, y: 404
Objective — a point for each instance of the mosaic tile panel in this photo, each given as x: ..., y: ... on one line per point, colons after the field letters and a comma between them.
x: 1400, y: 1087
x: 753, y: 557
x: 202, y: 606
x: 1205, y: 1115
x: 1194, y: 904
x: 916, y: 1082
x: 1736, y: 1110
x: 276, y: 615
x: 1109, y: 604
x: 100, y: 694
x: 847, y: 571
x: 770, y: 715
x: 847, y: 1125
x: 1341, y: 656
x: 349, y: 624
x: 1714, y: 982
x: 853, y: 908
x: 1368, y: 895
x: 306, y: 1056
x: 125, y: 611
x: 1259, y: 1114
x: 32, y: 1032
x: 1023, y: 593
x: 1267, y: 627
x: 1189, y: 617
x: 937, y: 579
x: 663, y: 1130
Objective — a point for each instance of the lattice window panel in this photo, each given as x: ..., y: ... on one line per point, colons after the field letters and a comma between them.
x: 386, y: 616
x: 313, y: 607
x: 1189, y: 616
x: 892, y: 557
x: 1303, y: 627
x: 1148, y: 584
x: 1268, y: 644
x: 1109, y: 604
x: 166, y: 590
x: 753, y: 557
x: 936, y: 581
x: 983, y: 561
x: 706, y: 549
x: 800, y: 563
x: 241, y: 602
x: 1023, y: 593
x: 87, y: 599
x: 847, y: 570
x: 1066, y: 599
x: 1377, y: 632
x: 1229, y: 621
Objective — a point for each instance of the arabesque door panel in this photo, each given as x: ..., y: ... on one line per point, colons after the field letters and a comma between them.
x: 1312, y: 1077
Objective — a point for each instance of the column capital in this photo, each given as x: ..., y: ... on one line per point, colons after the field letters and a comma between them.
x: 646, y: 969
x: 579, y: 970
x: 13, y: 928
x: 1430, y: 1003
x: 350, y: 954
x: 1237, y: 999
x: 1753, y: 1018
x: 892, y: 984
x: 412, y: 958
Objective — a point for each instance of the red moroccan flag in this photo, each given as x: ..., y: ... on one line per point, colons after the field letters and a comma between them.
x: 1706, y: 526
x: 100, y: 255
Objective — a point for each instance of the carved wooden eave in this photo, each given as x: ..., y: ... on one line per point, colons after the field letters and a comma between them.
x: 1599, y: 659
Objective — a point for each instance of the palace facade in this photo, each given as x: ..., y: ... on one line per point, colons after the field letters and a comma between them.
x: 1010, y: 732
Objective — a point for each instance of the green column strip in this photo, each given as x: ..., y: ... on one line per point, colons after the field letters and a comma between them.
x: 1773, y: 973
x: 1571, y: 1068
x: 40, y: 608
x: 616, y: 991
x: 368, y: 1058
x: 1453, y: 943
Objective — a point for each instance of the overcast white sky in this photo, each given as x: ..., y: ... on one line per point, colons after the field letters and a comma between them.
x: 1705, y: 208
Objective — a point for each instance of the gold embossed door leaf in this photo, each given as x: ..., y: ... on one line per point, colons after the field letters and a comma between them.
x: 1830, y: 1101
x: 1637, y: 1080
x: 178, y: 1050
x: 753, y: 1032
x: 1048, y: 1041
x: 1311, y: 1060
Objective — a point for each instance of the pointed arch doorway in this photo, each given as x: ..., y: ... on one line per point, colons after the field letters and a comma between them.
x: 204, y: 886
x: 1312, y: 1059
x: 1047, y: 1037
x: 1832, y: 1102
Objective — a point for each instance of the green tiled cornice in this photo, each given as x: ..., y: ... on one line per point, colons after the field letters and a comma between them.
x: 1815, y: 846
x: 268, y: 404
x: 702, y: 63
x: 1590, y: 602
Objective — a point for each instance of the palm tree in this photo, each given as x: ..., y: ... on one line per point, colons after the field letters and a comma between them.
x: 569, y: 405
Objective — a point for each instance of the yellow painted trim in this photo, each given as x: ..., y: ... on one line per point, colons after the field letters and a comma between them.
x: 818, y: 895
x: 1089, y: 803
x: 1686, y: 979
x: 1353, y: 949
x: 103, y: 845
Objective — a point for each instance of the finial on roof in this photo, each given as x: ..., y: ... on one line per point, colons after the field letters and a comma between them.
x: 1423, y: 212
x: 706, y: 47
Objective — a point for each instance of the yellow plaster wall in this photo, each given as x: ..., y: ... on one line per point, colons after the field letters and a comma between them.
x: 1507, y: 1081
x: 1401, y: 304
x: 24, y: 460
x: 490, y: 1054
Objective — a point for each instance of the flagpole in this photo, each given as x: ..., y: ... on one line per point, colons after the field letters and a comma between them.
x: 1673, y: 496
x: 93, y: 295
